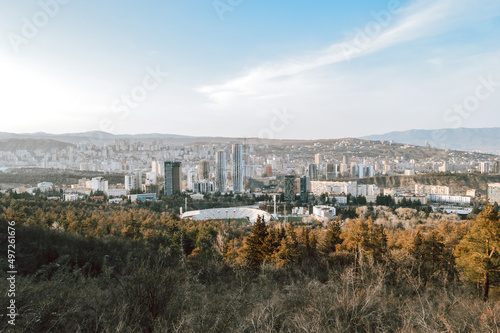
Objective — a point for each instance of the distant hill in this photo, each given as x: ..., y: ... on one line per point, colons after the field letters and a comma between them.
x: 32, y: 144
x: 468, y: 139
x: 86, y: 136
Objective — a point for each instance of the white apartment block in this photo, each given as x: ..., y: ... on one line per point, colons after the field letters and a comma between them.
x: 99, y: 184
x: 494, y: 192
x: 337, y: 188
x: 451, y: 199
x: 116, y: 192
x: 433, y: 189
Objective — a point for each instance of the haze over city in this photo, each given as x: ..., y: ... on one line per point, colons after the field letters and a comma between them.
x: 329, y: 69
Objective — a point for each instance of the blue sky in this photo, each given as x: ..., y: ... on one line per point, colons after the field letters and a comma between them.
x: 294, y: 69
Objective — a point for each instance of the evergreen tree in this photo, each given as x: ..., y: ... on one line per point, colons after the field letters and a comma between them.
x: 289, y: 252
x: 253, y: 253
x: 333, y: 239
x: 478, y: 253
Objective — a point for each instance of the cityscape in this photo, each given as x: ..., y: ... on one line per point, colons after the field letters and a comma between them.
x: 250, y: 166
x: 296, y: 172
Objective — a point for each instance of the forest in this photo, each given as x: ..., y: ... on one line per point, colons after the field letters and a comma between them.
x: 94, y: 267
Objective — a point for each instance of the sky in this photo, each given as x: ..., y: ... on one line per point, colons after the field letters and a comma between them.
x: 249, y: 68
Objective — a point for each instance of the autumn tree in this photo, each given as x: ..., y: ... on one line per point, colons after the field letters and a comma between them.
x: 289, y: 252
x: 365, y: 237
x: 253, y: 252
x: 332, y: 238
x: 478, y: 253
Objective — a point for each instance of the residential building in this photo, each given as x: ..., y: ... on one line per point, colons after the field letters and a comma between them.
x: 238, y: 170
x: 220, y: 172
x: 173, y: 178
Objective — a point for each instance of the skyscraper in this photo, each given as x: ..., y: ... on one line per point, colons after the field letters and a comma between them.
x: 304, y: 189
x: 220, y: 171
x: 173, y: 178
x: 203, y: 170
x: 330, y: 171
x: 313, y: 171
x: 238, y: 169
x: 361, y: 171
x: 289, y: 188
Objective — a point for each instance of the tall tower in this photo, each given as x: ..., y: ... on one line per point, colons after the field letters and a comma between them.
x: 220, y: 171
x: 304, y: 189
x: 173, y: 178
x: 313, y: 171
x: 289, y: 188
x: 203, y: 170
x: 330, y: 171
x: 238, y: 172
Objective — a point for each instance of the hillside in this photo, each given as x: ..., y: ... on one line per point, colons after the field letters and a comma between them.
x: 32, y: 176
x: 459, y: 182
x: 33, y: 144
x: 86, y: 136
x: 470, y: 139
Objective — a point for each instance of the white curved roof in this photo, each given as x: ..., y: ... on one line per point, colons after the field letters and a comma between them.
x: 227, y: 213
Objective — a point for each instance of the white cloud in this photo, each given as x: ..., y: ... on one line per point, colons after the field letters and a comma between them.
x: 420, y: 19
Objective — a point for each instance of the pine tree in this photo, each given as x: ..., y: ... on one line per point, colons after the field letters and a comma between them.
x: 478, y: 253
x: 289, y: 252
x: 253, y: 253
x: 333, y: 239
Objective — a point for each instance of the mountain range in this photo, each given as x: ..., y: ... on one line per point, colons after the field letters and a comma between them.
x: 485, y: 140
x: 84, y: 136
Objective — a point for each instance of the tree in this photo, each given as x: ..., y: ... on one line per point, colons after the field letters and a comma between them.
x: 253, y: 253
x: 289, y: 252
x: 365, y: 237
x: 478, y: 253
x: 333, y: 239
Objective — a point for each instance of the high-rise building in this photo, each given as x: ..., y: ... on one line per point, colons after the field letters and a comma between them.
x: 313, y: 171
x: 304, y: 189
x: 496, y: 167
x: 133, y: 181
x: 354, y: 170
x: 370, y: 171
x: 158, y: 168
x: 317, y: 159
x: 361, y: 171
x: 204, y: 170
x: 344, y: 170
x: 151, y: 178
x: 485, y: 167
x: 238, y: 170
x: 289, y: 188
x: 173, y: 178
x: 192, y: 178
x: 330, y: 171
x: 99, y: 184
x: 220, y: 171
